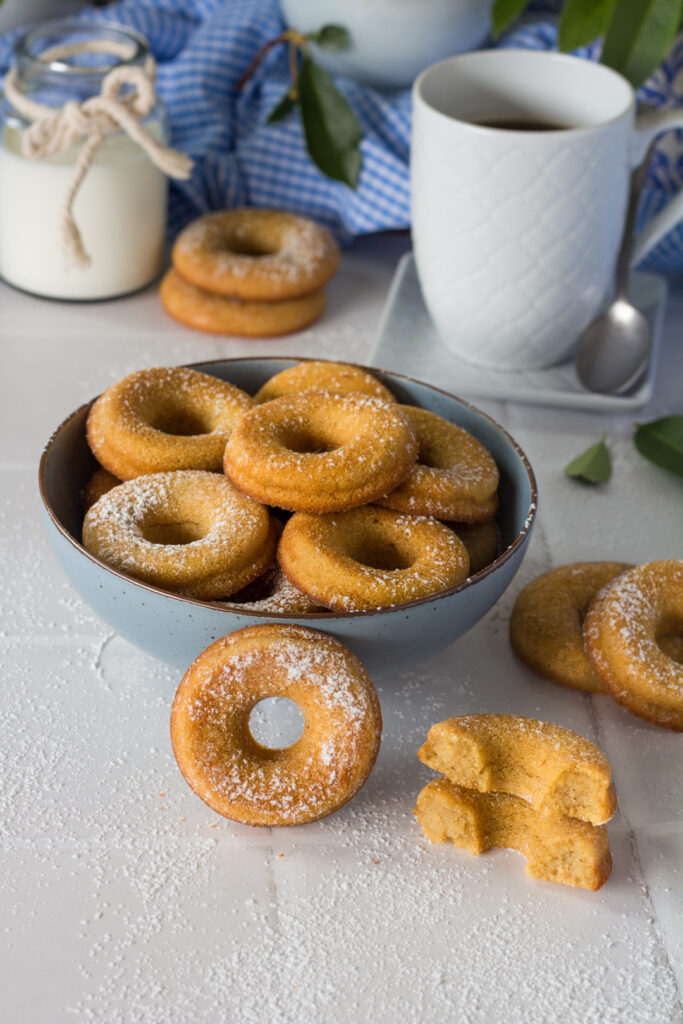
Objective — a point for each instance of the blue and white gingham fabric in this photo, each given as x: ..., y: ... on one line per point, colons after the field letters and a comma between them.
x: 203, y: 46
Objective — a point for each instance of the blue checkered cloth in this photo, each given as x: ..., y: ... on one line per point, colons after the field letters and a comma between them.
x: 203, y: 46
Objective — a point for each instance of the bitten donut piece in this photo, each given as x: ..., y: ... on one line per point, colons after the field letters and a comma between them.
x: 320, y: 452
x: 371, y: 557
x: 256, y: 255
x: 164, y: 418
x: 244, y: 781
x: 188, y: 531
x: 557, y: 849
x: 557, y: 771
x: 546, y: 625
x: 621, y: 633
x: 99, y: 483
x: 455, y: 478
x: 203, y: 311
x: 317, y: 375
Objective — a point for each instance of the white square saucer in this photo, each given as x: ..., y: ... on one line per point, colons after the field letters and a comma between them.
x: 408, y: 343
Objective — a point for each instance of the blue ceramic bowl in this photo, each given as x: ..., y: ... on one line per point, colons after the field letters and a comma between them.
x: 176, y: 629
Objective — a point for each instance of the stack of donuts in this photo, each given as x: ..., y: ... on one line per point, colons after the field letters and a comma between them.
x: 319, y: 493
x: 252, y: 272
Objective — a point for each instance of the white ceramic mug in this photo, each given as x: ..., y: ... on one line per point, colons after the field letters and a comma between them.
x: 516, y: 232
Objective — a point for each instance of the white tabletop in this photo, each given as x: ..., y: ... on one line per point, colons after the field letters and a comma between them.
x: 125, y: 899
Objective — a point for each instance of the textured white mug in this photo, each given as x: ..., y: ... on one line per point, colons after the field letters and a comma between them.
x: 516, y: 232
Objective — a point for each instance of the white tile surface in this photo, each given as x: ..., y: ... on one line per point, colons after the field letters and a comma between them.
x: 132, y: 902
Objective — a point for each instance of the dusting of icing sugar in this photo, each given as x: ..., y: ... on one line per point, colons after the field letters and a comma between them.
x: 273, y: 592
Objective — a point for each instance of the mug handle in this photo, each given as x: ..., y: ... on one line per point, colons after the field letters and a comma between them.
x: 648, y: 126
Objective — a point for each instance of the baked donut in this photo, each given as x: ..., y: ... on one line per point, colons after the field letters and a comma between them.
x: 318, y: 375
x: 557, y: 849
x: 187, y: 531
x: 99, y: 483
x: 371, y: 557
x: 320, y: 452
x: 546, y: 624
x: 256, y: 255
x: 455, y: 478
x: 203, y: 311
x: 621, y: 631
x: 241, y: 779
x: 556, y: 771
x: 273, y: 593
x: 482, y: 541
x: 164, y: 418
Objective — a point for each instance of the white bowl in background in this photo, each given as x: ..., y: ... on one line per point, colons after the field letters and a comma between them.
x: 392, y: 40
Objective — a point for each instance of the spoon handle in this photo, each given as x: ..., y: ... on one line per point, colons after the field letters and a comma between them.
x: 628, y: 237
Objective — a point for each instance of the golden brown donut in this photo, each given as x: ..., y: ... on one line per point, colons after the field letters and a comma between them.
x: 99, y: 483
x: 256, y: 255
x: 482, y: 541
x: 455, y: 478
x: 370, y: 557
x: 320, y: 452
x: 318, y: 375
x: 557, y: 849
x: 556, y: 771
x: 162, y: 419
x: 621, y: 633
x: 203, y: 311
x: 546, y: 625
x: 273, y: 593
x: 247, y: 782
x: 187, y: 531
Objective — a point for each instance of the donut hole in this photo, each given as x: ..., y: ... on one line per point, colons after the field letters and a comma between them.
x: 178, y: 532
x: 431, y: 457
x: 250, y: 247
x: 379, y: 554
x: 306, y: 443
x: 276, y: 723
x: 181, y: 422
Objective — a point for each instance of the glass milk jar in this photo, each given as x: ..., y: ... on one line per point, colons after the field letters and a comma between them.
x: 119, y: 206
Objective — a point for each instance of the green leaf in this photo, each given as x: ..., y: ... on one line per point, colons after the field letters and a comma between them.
x: 639, y: 36
x: 334, y: 38
x: 330, y: 126
x: 582, y: 21
x: 661, y: 441
x: 281, y: 109
x: 504, y: 13
x: 594, y: 465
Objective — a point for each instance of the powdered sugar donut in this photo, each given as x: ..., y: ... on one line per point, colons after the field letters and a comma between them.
x: 164, y: 418
x: 621, y: 632
x: 188, y: 531
x: 256, y: 255
x: 319, y: 452
x: 370, y: 557
x: 320, y: 375
x: 244, y: 781
x: 455, y: 477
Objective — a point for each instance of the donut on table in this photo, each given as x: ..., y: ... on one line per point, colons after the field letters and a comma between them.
x: 621, y: 631
x: 546, y: 624
x: 187, y: 531
x: 455, y: 478
x: 256, y: 255
x: 320, y: 452
x: 370, y: 557
x: 242, y: 780
x: 164, y: 418
x: 203, y: 311
x: 319, y: 375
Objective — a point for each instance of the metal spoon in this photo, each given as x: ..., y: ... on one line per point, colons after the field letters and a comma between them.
x: 614, y: 350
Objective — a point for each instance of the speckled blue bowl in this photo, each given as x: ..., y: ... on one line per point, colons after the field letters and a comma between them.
x: 176, y: 629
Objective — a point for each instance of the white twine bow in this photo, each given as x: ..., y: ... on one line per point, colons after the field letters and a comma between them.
x: 54, y: 130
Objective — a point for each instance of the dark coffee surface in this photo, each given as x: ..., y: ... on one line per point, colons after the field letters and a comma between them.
x: 518, y: 124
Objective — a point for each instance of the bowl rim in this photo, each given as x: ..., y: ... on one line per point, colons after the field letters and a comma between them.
x: 229, y: 609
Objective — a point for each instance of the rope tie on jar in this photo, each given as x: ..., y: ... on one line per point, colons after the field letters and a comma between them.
x: 126, y: 97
